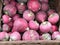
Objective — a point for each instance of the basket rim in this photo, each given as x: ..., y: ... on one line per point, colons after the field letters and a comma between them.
x: 35, y: 41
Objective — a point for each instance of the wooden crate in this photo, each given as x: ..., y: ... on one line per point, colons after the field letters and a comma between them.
x: 55, y: 5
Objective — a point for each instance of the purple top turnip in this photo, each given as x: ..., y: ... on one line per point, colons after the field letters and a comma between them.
x: 16, y: 16
x: 53, y: 18
x: 45, y: 26
x: 28, y: 15
x: 20, y: 25
x: 22, y: 1
x: 21, y: 7
x: 45, y: 36
x: 34, y: 5
x: 45, y: 7
x: 6, y: 28
x: 10, y: 24
x: 15, y: 36
x: 30, y: 35
x: 4, y: 36
x: 34, y: 25
x: 54, y: 28
x: 56, y: 35
x: 44, y: 1
x: 5, y: 2
x: 50, y: 11
x: 6, y: 19
x: 41, y: 16
x: 13, y: 2
x: 10, y: 10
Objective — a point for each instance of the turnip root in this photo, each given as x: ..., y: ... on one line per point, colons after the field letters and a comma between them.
x: 41, y: 16
x: 6, y: 19
x: 53, y: 18
x: 45, y: 26
x: 34, y: 5
x: 4, y: 36
x: 5, y: 28
x: 34, y: 25
x: 15, y: 36
x: 45, y: 36
x: 28, y: 15
x: 10, y: 10
x: 30, y: 35
x: 20, y: 25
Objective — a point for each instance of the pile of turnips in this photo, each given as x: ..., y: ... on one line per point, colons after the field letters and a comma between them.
x: 29, y: 20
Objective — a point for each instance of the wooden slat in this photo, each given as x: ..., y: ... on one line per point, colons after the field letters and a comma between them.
x: 36, y: 41
x: 39, y: 42
x: 0, y: 12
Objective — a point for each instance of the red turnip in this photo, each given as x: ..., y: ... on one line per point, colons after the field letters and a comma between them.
x: 45, y: 36
x: 54, y: 28
x: 21, y: 7
x: 10, y: 24
x: 6, y: 19
x: 15, y: 36
x: 45, y: 26
x: 45, y: 7
x: 13, y: 2
x: 4, y: 36
x: 9, y: 33
x: 45, y: 1
x: 41, y: 16
x: 20, y: 25
x: 34, y: 5
x: 50, y: 11
x: 10, y: 10
x: 53, y: 18
x: 5, y: 2
x: 22, y: 1
x: 30, y: 35
x: 56, y: 35
x: 6, y: 28
x: 28, y: 15
x: 34, y: 25
x: 16, y: 17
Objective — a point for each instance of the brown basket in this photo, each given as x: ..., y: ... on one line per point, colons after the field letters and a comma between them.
x: 56, y: 5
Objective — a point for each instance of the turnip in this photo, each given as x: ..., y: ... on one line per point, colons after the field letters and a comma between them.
x: 22, y: 1
x: 16, y: 17
x: 50, y: 11
x: 54, y: 28
x: 5, y: 2
x: 4, y: 36
x: 15, y: 36
x: 45, y: 26
x: 45, y: 1
x: 34, y: 25
x: 56, y: 35
x: 10, y: 10
x: 6, y: 28
x: 30, y: 35
x: 10, y: 24
x: 34, y: 5
x: 53, y: 18
x: 6, y: 19
x: 45, y: 7
x: 45, y: 36
x: 9, y: 33
x: 13, y: 2
x: 21, y: 7
x: 41, y: 16
x: 28, y: 15
x: 20, y: 25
